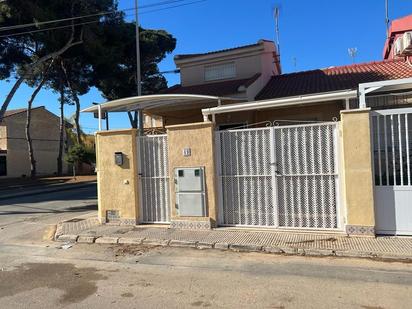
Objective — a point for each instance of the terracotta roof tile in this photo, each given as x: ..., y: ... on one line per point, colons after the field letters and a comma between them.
x: 333, y: 79
x: 221, y: 88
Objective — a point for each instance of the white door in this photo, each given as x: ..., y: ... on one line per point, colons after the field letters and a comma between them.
x: 392, y: 156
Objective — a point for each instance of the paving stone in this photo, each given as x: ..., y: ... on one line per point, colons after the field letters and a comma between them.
x: 246, y: 248
x: 107, y: 240
x: 273, y: 250
x: 86, y: 239
x: 156, y: 242
x: 182, y: 243
x: 134, y: 241
x: 68, y: 237
x: 221, y: 246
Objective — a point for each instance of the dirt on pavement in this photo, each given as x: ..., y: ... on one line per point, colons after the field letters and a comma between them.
x: 76, y: 283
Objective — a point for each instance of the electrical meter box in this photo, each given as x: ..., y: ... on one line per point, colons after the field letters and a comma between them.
x: 190, y: 191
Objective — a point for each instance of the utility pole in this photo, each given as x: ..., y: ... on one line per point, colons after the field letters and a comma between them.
x: 138, y: 113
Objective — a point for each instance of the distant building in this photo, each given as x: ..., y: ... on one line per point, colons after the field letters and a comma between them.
x: 14, y: 157
x: 398, y: 44
x: 239, y: 73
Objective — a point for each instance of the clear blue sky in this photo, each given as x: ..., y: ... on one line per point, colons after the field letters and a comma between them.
x: 317, y: 33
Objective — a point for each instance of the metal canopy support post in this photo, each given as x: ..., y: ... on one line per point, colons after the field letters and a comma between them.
x: 100, y: 116
x: 140, y: 121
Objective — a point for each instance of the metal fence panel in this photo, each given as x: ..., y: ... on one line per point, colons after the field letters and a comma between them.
x: 307, y: 176
x: 392, y: 144
x: 154, y: 179
x: 279, y: 176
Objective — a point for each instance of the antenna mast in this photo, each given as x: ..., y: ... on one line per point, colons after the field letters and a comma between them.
x: 353, y: 51
x: 276, y: 13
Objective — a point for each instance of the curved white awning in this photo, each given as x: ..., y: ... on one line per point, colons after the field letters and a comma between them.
x: 153, y: 101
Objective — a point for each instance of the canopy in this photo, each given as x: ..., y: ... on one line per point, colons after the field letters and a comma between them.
x: 148, y: 102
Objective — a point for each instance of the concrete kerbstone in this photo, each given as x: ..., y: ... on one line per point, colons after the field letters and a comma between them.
x: 107, y: 240
x: 68, y: 237
x: 131, y: 241
x: 320, y: 252
x: 275, y: 250
x: 182, y: 243
x: 289, y: 250
x: 204, y: 245
x: 245, y: 248
x: 222, y: 246
x: 86, y: 239
x: 156, y: 242
x: 353, y: 253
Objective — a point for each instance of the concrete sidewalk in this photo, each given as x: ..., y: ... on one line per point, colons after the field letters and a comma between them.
x: 90, y: 231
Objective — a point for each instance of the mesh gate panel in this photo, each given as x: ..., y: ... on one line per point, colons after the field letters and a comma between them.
x: 306, y: 176
x: 280, y: 176
x: 246, y: 178
x: 154, y: 175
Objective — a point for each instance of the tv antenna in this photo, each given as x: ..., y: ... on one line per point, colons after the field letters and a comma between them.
x: 353, y: 51
x: 276, y: 15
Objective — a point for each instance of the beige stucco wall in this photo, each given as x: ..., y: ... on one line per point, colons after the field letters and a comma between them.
x: 117, y: 185
x: 44, y: 131
x: 3, y: 137
x: 247, y: 62
x: 199, y: 137
x: 357, y: 168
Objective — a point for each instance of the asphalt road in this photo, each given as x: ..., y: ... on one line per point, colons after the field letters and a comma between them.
x: 22, y: 217
x: 37, y: 273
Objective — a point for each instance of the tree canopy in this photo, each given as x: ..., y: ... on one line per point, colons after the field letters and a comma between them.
x: 100, y: 49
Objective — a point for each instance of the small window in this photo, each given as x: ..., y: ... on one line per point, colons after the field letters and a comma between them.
x: 3, y: 166
x: 221, y: 71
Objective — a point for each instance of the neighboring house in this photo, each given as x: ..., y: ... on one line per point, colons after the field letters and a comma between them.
x: 319, y: 150
x: 238, y: 73
x: 14, y: 157
x: 252, y: 73
x: 399, y: 37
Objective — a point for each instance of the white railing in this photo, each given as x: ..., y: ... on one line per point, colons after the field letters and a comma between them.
x: 392, y: 146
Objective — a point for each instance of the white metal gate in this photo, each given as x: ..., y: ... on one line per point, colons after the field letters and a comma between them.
x: 392, y: 154
x: 282, y: 177
x: 154, y: 179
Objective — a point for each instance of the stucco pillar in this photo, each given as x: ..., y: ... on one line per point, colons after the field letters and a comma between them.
x: 117, y: 184
x: 199, y: 138
x: 357, y: 171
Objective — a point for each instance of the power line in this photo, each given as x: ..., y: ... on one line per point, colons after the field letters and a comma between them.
x: 36, y: 24
x: 172, y: 7
x: 96, y: 21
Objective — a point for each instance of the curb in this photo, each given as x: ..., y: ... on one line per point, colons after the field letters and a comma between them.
x: 313, y: 252
x: 64, y: 187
